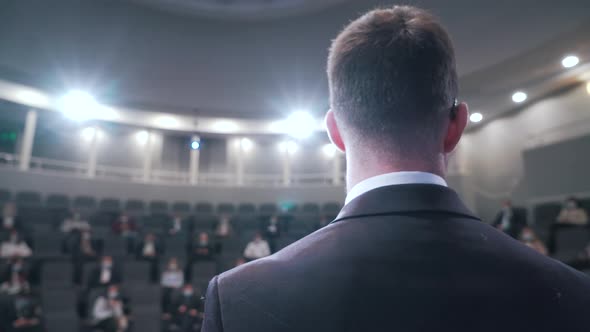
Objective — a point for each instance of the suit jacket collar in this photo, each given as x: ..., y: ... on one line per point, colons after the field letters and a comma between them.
x: 403, y: 199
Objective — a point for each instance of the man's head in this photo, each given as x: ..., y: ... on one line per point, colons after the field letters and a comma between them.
x: 113, y: 291
x: 187, y: 289
x: 393, y: 89
x: 107, y: 262
x: 150, y: 237
x: 9, y: 210
x: 203, y: 237
x: 257, y: 237
x: 571, y: 203
x: 173, y: 264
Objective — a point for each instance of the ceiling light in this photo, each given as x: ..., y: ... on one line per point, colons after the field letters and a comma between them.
x: 475, y: 117
x: 289, y: 147
x: 570, y: 61
x: 246, y: 144
x: 79, y: 105
x: 519, y: 97
x: 167, y: 121
x: 33, y: 98
x: 142, y: 137
x: 329, y: 150
x: 588, y: 87
x: 300, y: 125
x: 225, y: 126
x: 108, y: 113
x: 88, y: 133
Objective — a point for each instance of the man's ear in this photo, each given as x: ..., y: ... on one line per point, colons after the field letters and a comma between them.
x: 457, y: 124
x: 334, y: 131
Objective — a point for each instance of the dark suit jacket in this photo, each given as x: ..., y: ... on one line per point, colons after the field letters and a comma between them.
x: 401, y: 258
x: 94, y: 277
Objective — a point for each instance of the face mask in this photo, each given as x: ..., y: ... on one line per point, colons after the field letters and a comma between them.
x: 528, y: 237
x: 76, y: 216
x: 113, y: 295
x: 86, y: 236
x: 187, y: 292
x: 172, y: 267
x: 107, y: 265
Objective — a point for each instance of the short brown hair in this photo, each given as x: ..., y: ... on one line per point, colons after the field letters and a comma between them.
x: 393, y: 79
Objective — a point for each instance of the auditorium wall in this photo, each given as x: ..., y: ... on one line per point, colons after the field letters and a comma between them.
x: 492, y: 162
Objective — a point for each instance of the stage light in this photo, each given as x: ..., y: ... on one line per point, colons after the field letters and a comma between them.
x: 108, y: 113
x: 588, y: 87
x: 289, y: 147
x: 167, y: 121
x: 570, y: 61
x: 142, y: 137
x: 300, y: 125
x: 246, y: 144
x: 79, y: 105
x: 476, y: 117
x: 88, y: 133
x: 519, y: 97
x: 225, y: 126
x: 329, y: 150
x: 32, y: 97
x: 195, y: 145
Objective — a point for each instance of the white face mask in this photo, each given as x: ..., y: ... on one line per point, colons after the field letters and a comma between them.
x: 113, y: 295
x: 173, y: 267
x: 570, y: 205
x: 187, y: 292
x: 528, y: 237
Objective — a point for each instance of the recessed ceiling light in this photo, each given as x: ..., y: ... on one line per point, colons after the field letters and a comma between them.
x: 79, y: 105
x: 225, y: 126
x: 519, y: 97
x: 167, y: 121
x: 142, y: 137
x: 570, y: 61
x: 476, y: 117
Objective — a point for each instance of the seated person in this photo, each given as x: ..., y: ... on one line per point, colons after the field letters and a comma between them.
x: 529, y: 238
x: 110, y: 312
x: 223, y: 228
x: 509, y: 222
x: 74, y: 222
x: 272, y: 232
x: 14, y: 268
x: 10, y: 220
x: 150, y: 250
x: 571, y: 216
x: 200, y: 250
x: 84, y: 249
x: 25, y: 313
x: 240, y: 261
x: 172, y: 280
x: 15, y: 246
x: 186, y: 311
x: 107, y: 273
x: 178, y: 225
x: 15, y: 285
x: 124, y: 225
x: 257, y: 248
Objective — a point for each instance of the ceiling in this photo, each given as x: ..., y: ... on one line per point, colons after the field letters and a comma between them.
x: 265, y: 58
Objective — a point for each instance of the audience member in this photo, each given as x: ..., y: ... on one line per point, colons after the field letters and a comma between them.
x: 178, y: 225
x: 24, y: 312
x: 257, y: 248
x: 107, y: 273
x: 15, y: 285
x: 240, y: 261
x: 150, y: 250
x: 272, y: 232
x: 84, y: 249
x: 186, y: 310
x: 508, y: 221
x: 74, y: 222
x: 528, y: 237
x: 125, y: 226
x: 10, y: 220
x: 223, y: 228
x: 172, y: 280
x: 15, y: 268
x: 571, y: 216
x: 16, y: 246
x: 201, y: 249
x: 109, y: 312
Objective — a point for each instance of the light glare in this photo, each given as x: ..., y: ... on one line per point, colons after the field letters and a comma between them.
x: 570, y: 61
x: 79, y: 105
x: 246, y: 144
x: 588, y: 87
x: 195, y: 145
x: 88, y: 133
x: 142, y: 137
x: 519, y: 97
x: 300, y: 125
x: 167, y: 121
x: 476, y: 117
x: 225, y: 126
x: 329, y: 150
x: 289, y: 147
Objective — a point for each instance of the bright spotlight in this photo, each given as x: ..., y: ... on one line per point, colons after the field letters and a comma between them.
x: 167, y: 121
x: 570, y: 61
x: 519, y: 97
x: 476, y: 117
x: 329, y: 150
x: 289, y: 147
x: 300, y: 125
x: 142, y: 137
x: 88, y: 133
x: 32, y: 97
x: 225, y: 126
x: 246, y: 144
x: 79, y: 105
x: 195, y: 145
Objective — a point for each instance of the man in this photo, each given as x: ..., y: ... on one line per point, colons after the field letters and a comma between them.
x: 570, y: 216
x: 150, y: 250
x: 257, y: 248
x: 272, y: 232
x: 416, y: 257
x: 172, y: 279
x: 16, y: 246
x: 509, y: 220
x: 84, y: 249
x: 186, y: 310
x: 10, y: 220
x: 109, y: 311
x: 200, y: 250
x: 107, y: 273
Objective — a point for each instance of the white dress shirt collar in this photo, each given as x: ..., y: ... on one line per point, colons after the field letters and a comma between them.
x: 391, y: 179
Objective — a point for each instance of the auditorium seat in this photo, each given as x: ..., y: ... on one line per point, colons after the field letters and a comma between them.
x: 569, y: 243
x: 56, y: 274
x: 175, y: 246
x: 58, y: 300
x: 267, y: 209
x: 136, y: 272
x: 204, y: 219
x: 57, y: 201
x: 28, y: 199
x: 246, y: 208
x: 585, y: 204
x: 203, y: 271
x: 85, y: 204
x: 115, y: 245
x: 158, y: 207
x: 331, y: 209
x: 62, y: 321
x: 226, y: 208
x: 310, y: 208
x: 111, y: 205
x: 31, y: 210
x: 135, y: 208
x: 5, y: 196
x: 47, y: 244
x: 203, y: 208
x: 183, y: 208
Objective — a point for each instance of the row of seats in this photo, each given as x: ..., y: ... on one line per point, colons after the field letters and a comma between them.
x: 31, y: 199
